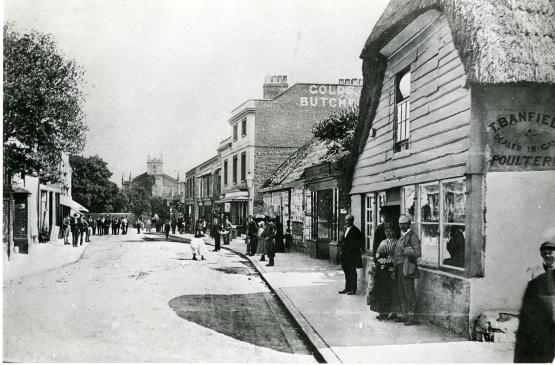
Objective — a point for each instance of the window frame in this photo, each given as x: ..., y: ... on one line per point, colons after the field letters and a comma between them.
x: 243, y: 166
x: 226, y: 170
x: 235, y: 132
x: 234, y: 170
x: 243, y: 127
x: 402, y: 107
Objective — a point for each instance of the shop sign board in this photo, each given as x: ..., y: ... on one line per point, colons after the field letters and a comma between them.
x: 521, y: 140
x: 330, y: 96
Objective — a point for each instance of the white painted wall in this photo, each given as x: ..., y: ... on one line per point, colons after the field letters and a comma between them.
x: 520, y: 215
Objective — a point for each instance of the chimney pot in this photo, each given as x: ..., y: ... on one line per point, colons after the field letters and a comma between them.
x: 341, y: 82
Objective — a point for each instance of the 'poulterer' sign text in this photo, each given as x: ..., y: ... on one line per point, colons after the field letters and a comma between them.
x: 522, y: 140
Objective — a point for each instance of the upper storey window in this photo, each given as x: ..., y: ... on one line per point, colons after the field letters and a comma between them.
x: 235, y: 132
x: 244, y: 127
x: 402, y: 110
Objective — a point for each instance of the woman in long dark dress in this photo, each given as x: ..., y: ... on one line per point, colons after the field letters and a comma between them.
x: 381, y: 297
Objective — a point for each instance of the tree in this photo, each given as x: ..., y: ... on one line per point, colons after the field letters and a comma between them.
x: 138, y: 200
x: 338, y: 131
x: 91, y: 187
x: 42, y: 105
x: 160, y: 206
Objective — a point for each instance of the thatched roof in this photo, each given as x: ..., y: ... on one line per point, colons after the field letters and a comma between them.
x: 311, y: 153
x: 499, y: 41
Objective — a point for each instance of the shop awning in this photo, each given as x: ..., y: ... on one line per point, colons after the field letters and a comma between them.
x: 235, y: 196
x: 237, y: 199
x: 72, y: 204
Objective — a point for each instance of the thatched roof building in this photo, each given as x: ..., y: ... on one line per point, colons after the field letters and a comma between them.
x: 499, y: 42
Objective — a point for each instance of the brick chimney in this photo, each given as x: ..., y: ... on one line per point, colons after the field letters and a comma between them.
x: 274, y: 85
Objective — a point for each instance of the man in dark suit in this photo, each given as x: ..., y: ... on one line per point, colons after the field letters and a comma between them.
x: 535, y: 337
x: 351, y: 255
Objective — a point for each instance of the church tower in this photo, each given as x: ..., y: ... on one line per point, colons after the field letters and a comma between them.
x: 154, y: 166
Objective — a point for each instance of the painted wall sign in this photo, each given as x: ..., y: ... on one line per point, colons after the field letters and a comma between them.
x: 334, y: 96
x: 522, y: 140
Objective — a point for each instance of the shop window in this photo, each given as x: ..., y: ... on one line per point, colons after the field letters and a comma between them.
x: 235, y: 169
x: 308, y: 215
x: 453, y: 223
x: 429, y: 223
x: 244, y: 127
x: 325, y: 214
x: 408, y: 196
x: 235, y: 132
x: 402, y: 110
x: 442, y: 216
x: 225, y: 173
x: 243, y: 166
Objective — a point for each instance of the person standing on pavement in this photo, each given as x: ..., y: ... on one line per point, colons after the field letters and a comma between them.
x: 74, y: 226
x: 226, y: 228
x: 535, y: 337
x: 261, y: 247
x: 351, y: 255
x: 167, y: 227
x: 173, y: 225
x: 89, y: 229
x: 138, y: 225
x: 280, y: 247
x: 381, y: 297
x: 197, y: 242
x: 252, y: 234
x: 83, y: 227
x: 270, y: 236
x: 215, y: 232
x: 107, y: 225
x: 288, y: 237
x: 405, y: 263
x: 66, y: 229
x: 124, y: 225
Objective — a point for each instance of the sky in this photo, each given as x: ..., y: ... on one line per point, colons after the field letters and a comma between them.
x: 161, y: 76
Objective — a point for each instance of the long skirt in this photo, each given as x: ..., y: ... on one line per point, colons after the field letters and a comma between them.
x: 261, y: 248
x: 198, y: 247
x: 383, y: 290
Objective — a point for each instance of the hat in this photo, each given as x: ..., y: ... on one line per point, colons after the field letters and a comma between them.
x: 547, y: 245
x: 404, y: 219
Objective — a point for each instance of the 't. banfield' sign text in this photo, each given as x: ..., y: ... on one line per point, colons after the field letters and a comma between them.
x: 522, y: 140
x: 334, y: 96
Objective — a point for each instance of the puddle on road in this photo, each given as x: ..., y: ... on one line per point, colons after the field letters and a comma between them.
x: 255, y: 318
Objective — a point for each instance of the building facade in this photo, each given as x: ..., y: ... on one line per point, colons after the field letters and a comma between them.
x: 457, y: 131
x: 264, y: 132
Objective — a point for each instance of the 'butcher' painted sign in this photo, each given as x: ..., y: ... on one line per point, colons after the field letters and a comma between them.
x: 522, y: 140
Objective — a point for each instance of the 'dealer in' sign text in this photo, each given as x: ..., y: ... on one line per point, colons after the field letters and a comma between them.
x: 334, y: 96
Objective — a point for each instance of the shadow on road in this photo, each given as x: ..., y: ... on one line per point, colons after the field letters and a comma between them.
x: 254, y: 318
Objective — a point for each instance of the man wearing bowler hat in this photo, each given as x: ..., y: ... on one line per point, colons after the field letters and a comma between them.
x: 535, y: 337
x: 351, y: 258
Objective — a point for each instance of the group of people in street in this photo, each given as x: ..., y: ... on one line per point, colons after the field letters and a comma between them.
x: 82, y: 228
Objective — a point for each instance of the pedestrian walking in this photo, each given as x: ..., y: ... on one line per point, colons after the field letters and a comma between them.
x: 405, y: 264
x: 66, y: 229
x: 74, y: 226
x: 535, y: 337
x: 261, y: 248
x: 226, y: 230
x: 215, y: 233
x: 252, y: 234
x: 351, y: 255
x: 124, y: 225
x: 197, y: 242
x: 99, y: 224
x: 382, y: 294
x: 167, y: 228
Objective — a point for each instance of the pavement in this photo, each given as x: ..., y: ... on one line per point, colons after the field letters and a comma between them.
x: 344, y: 330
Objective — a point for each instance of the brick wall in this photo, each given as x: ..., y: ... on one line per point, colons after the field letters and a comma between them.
x: 266, y: 161
x: 287, y: 120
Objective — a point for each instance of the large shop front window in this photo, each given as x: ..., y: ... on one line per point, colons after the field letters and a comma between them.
x: 442, y: 223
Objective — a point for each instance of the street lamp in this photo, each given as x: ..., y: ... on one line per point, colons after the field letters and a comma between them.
x: 250, y: 183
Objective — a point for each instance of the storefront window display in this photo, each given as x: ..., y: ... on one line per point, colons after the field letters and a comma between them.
x: 429, y: 223
x: 453, y: 223
x: 409, y: 200
x: 308, y: 215
x: 442, y: 216
x: 369, y: 224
